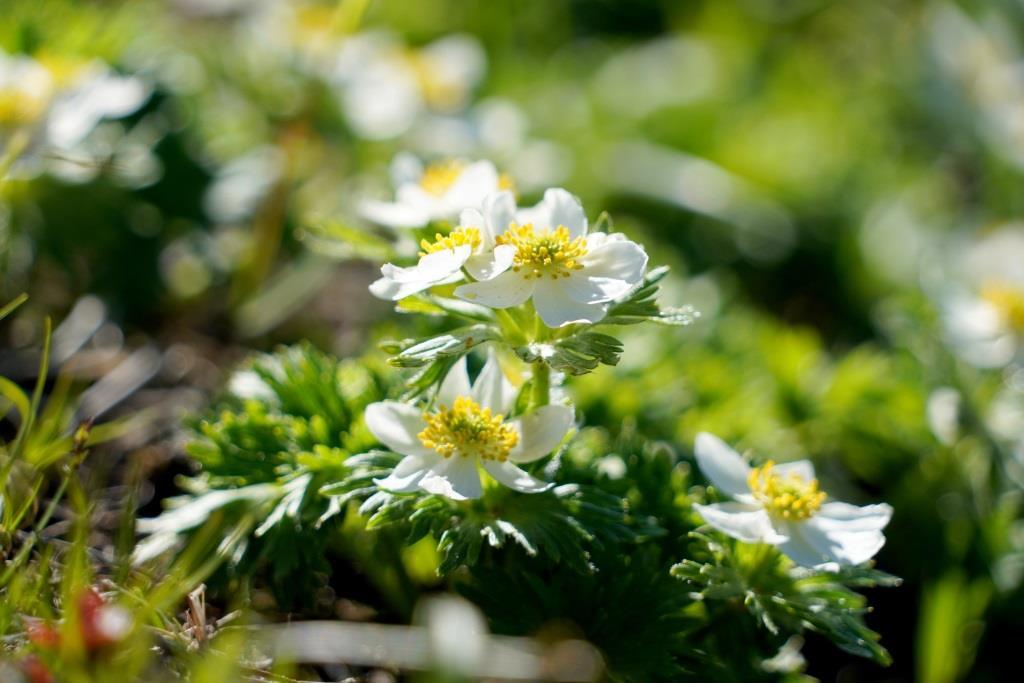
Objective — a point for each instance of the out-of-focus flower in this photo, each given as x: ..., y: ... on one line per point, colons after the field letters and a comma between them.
x: 436, y: 192
x: 984, y: 321
x: 781, y: 505
x: 547, y: 254
x: 384, y: 86
x: 55, y: 103
x: 100, y: 624
x: 468, y: 429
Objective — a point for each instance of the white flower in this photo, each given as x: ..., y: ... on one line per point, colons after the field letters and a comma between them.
x: 384, y: 86
x: 433, y: 193
x: 547, y: 254
x: 781, y: 505
x: 984, y: 320
x: 60, y: 102
x: 468, y: 429
x: 471, y: 246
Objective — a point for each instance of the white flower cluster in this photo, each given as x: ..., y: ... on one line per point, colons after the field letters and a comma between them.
x: 544, y: 258
x: 504, y: 255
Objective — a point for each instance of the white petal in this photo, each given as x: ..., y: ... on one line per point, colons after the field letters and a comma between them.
x: 406, y: 476
x: 476, y: 181
x: 558, y: 207
x: 617, y: 264
x: 742, y: 521
x: 515, y: 478
x: 723, y: 466
x: 507, y: 289
x: 489, y: 265
x: 396, y: 425
x: 557, y: 308
x: 820, y: 542
x: 799, y: 549
x: 432, y: 269
x: 491, y: 389
x: 455, y: 384
x: 540, y: 431
x: 499, y: 212
x: 456, y: 477
x: 843, y: 516
x: 393, y: 214
x: 802, y: 468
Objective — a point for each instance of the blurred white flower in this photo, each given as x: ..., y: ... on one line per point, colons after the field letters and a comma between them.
x: 55, y: 103
x: 547, y: 254
x: 384, y: 85
x: 984, y: 319
x: 424, y: 194
x: 782, y: 506
x: 468, y: 428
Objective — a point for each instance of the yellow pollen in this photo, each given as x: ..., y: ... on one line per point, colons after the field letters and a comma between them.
x: 1008, y: 300
x: 456, y: 238
x: 438, y: 178
x: 468, y: 430
x: 549, y: 252
x: 788, y: 496
x: 19, y: 108
x: 505, y: 182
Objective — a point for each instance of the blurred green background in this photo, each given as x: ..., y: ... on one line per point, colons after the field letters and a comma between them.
x: 822, y: 177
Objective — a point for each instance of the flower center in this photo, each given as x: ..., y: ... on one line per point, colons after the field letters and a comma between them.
x: 787, y: 496
x: 18, y: 107
x: 547, y: 252
x: 1008, y: 300
x: 438, y: 178
x: 456, y: 238
x: 468, y: 430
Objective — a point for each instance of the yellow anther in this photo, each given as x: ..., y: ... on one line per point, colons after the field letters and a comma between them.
x: 456, y: 238
x: 544, y: 252
x: 1008, y: 300
x: 788, y: 496
x: 468, y: 430
x: 438, y: 178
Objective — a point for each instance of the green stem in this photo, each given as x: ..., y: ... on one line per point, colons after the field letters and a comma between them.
x: 541, y: 384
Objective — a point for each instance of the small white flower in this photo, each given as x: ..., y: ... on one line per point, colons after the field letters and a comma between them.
x: 60, y: 102
x: 471, y: 246
x: 468, y: 429
x: 781, y: 505
x: 384, y: 86
x: 436, y: 192
x: 984, y: 319
x: 547, y: 254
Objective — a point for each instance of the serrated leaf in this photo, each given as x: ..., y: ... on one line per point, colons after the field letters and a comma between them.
x: 452, y: 344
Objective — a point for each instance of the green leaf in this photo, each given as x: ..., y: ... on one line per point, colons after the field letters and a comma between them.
x: 453, y: 344
x: 640, y: 305
x: 576, y: 355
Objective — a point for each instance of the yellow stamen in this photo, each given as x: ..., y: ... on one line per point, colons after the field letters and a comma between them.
x: 468, y: 430
x: 438, y: 178
x: 456, y: 238
x: 1008, y: 300
x: 548, y: 252
x: 788, y: 496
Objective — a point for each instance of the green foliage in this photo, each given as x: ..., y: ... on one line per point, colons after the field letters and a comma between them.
x: 285, y: 428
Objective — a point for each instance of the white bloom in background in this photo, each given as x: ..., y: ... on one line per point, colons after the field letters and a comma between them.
x: 57, y: 103
x: 440, y: 191
x: 470, y: 245
x: 468, y: 428
x: 384, y: 86
x: 984, y: 321
x: 547, y: 254
x: 781, y: 505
